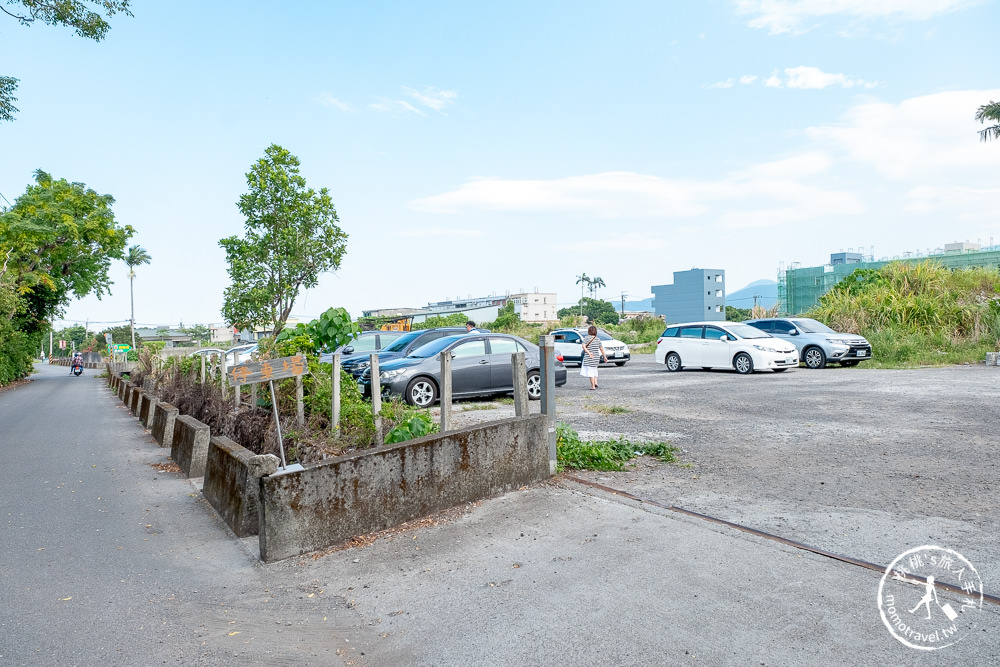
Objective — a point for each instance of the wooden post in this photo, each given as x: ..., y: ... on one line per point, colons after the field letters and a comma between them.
x: 520, y: 384
x: 222, y: 377
x: 236, y: 397
x: 277, y: 424
x: 203, y: 367
x: 335, y: 407
x: 445, y: 391
x: 376, y: 399
x: 547, y: 353
x: 300, y: 408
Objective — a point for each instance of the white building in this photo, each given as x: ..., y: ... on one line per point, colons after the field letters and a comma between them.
x: 535, y: 306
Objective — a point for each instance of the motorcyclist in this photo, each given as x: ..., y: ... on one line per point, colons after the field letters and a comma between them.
x: 77, y: 361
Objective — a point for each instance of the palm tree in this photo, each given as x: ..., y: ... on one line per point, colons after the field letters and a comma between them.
x: 987, y: 112
x: 596, y: 282
x: 583, y: 281
x: 136, y: 255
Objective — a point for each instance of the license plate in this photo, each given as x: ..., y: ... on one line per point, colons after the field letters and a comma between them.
x: 862, y: 353
x: 617, y: 354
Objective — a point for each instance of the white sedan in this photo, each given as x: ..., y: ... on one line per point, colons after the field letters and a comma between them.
x: 724, y: 345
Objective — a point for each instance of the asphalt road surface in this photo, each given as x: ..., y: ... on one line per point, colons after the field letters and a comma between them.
x: 105, y: 559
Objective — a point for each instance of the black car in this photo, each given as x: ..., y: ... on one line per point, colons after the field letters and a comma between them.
x: 481, y: 366
x: 363, y: 344
x: 400, y: 347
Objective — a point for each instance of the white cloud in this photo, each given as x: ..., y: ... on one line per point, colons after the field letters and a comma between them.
x: 396, y: 105
x: 773, y: 81
x: 766, y: 194
x: 779, y: 16
x: 630, y: 242
x: 933, y: 136
x: 728, y: 83
x: 814, y: 78
x: 747, y: 79
x: 328, y: 100
x: 432, y: 97
x: 969, y: 202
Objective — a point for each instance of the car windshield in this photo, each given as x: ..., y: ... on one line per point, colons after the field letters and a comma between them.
x: 812, y: 326
x: 601, y: 334
x: 433, y: 348
x: 747, y: 331
x: 400, y: 343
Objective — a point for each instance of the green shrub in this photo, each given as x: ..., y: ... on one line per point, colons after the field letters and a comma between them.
x: 605, y: 454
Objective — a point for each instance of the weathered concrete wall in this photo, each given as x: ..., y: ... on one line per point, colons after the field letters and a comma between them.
x: 189, y: 447
x: 134, y: 400
x: 146, y: 403
x: 164, y: 416
x: 232, y: 483
x: 330, y: 502
x: 121, y: 389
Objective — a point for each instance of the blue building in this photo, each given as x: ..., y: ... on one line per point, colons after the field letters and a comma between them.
x: 695, y: 295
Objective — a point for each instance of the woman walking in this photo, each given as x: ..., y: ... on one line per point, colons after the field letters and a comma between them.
x: 593, y: 354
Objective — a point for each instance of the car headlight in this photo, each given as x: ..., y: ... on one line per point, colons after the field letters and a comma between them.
x: 361, y: 365
x: 388, y: 375
x: 838, y: 341
x: 764, y: 348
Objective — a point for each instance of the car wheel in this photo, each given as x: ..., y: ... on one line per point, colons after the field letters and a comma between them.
x: 814, y: 358
x: 673, y: 362
x: 534, y: 386
x: 849, y: 363
x: 421, y: 392
x: 743, y: 363
x: 619, y: 363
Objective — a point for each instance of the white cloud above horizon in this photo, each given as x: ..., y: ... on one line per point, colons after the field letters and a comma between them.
x: 792, y: 16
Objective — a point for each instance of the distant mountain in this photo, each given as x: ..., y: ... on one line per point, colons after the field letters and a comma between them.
x: 766, y: 292
x: 634, y: 306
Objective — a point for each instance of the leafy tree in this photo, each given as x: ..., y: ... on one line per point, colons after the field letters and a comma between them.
x: 737, y: 314
x: 56, y: 242
x: 76, y: 14
x: 595, y: 282
x: 136, y: 256
x: 198, y: 332
x: 507, y: 318
x: 987, y: 112
x: 291, y: 238
x: 328, y: 332
x: 597, y: 311
x: 453, y: 320
x: 119, y: 335
x: 583, y: 280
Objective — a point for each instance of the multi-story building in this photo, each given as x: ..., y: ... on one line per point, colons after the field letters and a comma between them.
x: 695, y: 295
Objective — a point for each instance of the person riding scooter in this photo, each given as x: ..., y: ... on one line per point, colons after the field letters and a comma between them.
x: 77, y: 362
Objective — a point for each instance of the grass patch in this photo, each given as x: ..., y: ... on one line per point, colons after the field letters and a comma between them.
x: 608, y: 409
x: 613, y: 454
x: 479, y: 406
x: 505, y: 400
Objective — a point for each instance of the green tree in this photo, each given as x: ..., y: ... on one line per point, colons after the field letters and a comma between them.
x: 597, y: 311
x: 291, y: 237
x: 136, y: 256
x: 583, y: 280
x: 120, y: 334
x: 75, y: 14
x: 198, y: 332
x: 596, y: 282
x: 58, y: 241
x: 453, y: 320
x: 987, y: 112
x: 507, y: 318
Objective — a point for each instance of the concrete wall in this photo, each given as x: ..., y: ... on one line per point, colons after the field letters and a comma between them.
x: 232, y: 483
x: 164, y: 416
x: 134, y: 400
x: 330, y: 502
x: 189, y: 447
x: 146, y: 403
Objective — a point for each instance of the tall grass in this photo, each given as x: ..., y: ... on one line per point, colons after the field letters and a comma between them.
x: 918, y: 313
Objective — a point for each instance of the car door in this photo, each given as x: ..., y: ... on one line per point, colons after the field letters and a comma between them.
x: 715, y: 348
x: 784, y: 331
x: 570, y: 346
x: 688, y: 345
x: 470, y: 367
x: 501, y: 366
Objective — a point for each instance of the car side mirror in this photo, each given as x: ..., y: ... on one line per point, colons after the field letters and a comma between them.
x: 724, y: 337
x: 793, y: 332
x: 348, y: 350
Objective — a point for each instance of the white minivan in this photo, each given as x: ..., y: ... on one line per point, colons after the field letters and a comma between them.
x: 723, y: 345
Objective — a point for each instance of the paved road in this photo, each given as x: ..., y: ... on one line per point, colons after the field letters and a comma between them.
x: 106, y: 560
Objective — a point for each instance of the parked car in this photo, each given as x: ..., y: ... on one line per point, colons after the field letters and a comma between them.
x: 569, y: 344
x: 402, y: 346
x: 237, y: 355
x: 481, y: 366
x: 364, y: 344
x: 723, y: 345
x: 817, y: 343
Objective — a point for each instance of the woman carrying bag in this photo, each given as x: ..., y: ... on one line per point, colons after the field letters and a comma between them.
x: 593, y: 355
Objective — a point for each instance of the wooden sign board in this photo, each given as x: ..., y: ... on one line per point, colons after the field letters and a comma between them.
x: 251, y: 372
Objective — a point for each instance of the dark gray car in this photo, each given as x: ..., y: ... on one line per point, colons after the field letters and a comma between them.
x: 481, y: 366
x: 400, y: 347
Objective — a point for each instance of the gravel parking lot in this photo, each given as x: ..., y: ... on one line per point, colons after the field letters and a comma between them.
x: 866, y: 463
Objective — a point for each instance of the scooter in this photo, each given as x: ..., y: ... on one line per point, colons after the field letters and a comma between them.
x: 77, y: 369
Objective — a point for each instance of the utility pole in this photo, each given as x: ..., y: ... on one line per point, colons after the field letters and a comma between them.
x: 623, y: 304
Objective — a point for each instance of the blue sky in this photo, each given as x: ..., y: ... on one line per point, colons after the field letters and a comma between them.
x: 478, y: 148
